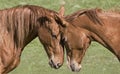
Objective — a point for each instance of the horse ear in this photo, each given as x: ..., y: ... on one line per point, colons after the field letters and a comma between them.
x: 59, y: 18
x: 61, y: 21
x: 62, y: 11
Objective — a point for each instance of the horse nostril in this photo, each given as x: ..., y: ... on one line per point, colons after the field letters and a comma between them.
x: 58, y: 64
x: 54, y: 65
x: 75, y: 68
x: 51, y: 63
x: 72, y: 67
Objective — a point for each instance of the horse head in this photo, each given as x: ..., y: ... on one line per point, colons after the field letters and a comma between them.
x: 50, y: 36
x: 76, y: 43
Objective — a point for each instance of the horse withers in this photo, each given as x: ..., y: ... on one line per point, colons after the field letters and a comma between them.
x: 20, y: 25
x: 90, y: 25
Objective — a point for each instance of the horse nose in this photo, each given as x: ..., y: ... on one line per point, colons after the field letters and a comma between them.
x: 75, y: 68
x: 54, y: 64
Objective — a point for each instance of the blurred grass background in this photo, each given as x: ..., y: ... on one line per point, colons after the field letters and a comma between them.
x: 98, y: 60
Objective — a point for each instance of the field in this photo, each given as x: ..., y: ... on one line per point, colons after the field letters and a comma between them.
x: 98, y: 60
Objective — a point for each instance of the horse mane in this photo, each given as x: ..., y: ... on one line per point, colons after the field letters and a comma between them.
x: 20, y: 21
x: 90, y: 13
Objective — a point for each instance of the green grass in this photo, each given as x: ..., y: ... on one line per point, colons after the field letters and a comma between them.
x: 97, y: 60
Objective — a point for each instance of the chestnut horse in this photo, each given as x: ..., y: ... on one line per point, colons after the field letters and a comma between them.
x: 20, y: 25
x: 90, y: 25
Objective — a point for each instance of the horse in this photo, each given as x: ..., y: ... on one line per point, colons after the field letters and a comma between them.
x: 90, y: 25
x: 20, y: 25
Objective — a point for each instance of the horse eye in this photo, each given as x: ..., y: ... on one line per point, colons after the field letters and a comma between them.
x: 54, y: 36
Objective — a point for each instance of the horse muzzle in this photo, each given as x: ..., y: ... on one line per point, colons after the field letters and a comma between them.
x: 54, y: 64
x: 74, y: 66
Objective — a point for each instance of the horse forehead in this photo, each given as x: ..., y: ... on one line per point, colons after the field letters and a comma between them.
x: 78, y: 35
x: 77, y: 41
x: 82, y: 35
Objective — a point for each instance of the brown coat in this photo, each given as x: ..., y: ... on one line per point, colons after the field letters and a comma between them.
x: 90, y: 25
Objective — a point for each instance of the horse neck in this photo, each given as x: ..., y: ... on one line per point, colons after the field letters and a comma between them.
x: 97, y: 33
x: 29, y: 38
x: 25, y: 40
